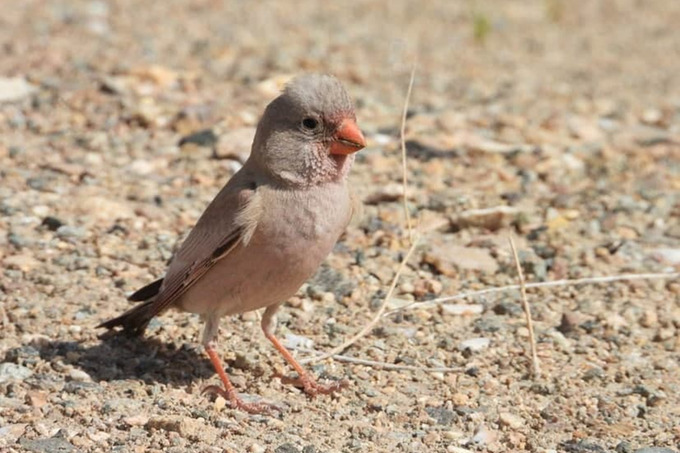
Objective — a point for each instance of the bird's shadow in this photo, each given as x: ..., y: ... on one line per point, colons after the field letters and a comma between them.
x: 117, y: 357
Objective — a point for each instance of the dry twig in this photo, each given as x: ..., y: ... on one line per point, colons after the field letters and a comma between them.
x: 565, y: 282
x: 527, y: 311
x: 404, y: 181
x: 368, y: 327
x: 384, y: 365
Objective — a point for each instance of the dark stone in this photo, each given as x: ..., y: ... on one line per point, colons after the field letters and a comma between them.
x: 542, y: 389
x: 568, y: 323
x: 47, y: 445
x: 52, y: 223
x: 544, y: 251
x: 443, y: 416
x: 472, y: 371
x: 581, y: 446
x: 82, y: 388
x: 549, y: 416
x: 117, y: 228
x: 624, y: 447
x: 536, y: 233
x: 206, y: 138
x: 591, y: 326
x: 534, y: 265
x: 38, y: 183
x: 507, y: 307
x: 287, y: 448
x: 23, y: 355
x: 488, y: 325
x: 512, y: 197
x: 424, y: 152
x: 593, y: 373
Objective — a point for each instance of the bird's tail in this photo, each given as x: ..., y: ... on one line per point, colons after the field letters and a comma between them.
x: 135, y: 320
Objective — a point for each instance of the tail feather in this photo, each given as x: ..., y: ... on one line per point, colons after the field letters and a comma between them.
x: 147, y: 292
x: 133, y: 321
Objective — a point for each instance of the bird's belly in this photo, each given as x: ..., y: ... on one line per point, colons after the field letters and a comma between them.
x: 269, y: 270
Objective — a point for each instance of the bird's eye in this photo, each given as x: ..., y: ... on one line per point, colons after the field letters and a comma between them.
x: 310, y: 123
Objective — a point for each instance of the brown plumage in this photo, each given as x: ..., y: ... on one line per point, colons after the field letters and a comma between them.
x: 269, y: 228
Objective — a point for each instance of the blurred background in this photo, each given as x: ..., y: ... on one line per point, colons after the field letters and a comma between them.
x: 553, y: 121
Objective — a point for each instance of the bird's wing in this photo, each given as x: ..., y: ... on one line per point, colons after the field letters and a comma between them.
x: 229, y: 221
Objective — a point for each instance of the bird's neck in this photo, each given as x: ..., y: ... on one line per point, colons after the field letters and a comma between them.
x: 311, y: 171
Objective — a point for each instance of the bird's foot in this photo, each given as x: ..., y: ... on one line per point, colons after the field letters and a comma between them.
x: 313, y: 388
x: 237, y: 403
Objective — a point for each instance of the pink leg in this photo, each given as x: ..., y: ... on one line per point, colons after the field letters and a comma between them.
x: 229, y: 392
x: 305, y: 380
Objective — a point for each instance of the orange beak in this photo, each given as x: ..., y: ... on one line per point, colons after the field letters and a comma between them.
x: 348, y: 139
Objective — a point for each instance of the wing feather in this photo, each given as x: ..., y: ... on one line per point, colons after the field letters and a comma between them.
x: 227, y: 222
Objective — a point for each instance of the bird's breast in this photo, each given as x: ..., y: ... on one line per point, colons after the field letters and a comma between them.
x: 294, y: 234
x: 305, y: 222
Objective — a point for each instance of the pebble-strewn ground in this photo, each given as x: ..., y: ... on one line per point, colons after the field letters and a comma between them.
x: 559, y: 120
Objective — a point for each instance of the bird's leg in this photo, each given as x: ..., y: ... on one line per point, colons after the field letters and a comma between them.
x: 304, y: 380
x: 229, y: 391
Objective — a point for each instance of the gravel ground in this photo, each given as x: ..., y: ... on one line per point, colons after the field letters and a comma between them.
x: 553, y: 123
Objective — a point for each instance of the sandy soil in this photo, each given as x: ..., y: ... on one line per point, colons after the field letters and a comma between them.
x: 562, y: 120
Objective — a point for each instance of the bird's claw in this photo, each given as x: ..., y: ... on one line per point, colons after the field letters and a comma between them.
x: 237, y: 403
x: 313, y: 388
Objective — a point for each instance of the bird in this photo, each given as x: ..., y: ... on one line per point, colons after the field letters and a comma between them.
x: 267, y: 230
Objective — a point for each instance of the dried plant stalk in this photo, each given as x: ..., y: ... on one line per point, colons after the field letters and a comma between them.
x: 527, y: 311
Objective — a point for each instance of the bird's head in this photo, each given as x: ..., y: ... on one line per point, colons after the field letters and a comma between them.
x: 308, y: 135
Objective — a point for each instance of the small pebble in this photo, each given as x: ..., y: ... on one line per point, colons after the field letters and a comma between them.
x: 454, y: 449
x: 79, y: 375
x: 13, y: 372
x: 219, y: 404
x: 136, y: 420
x: 483, y: 436
x: 462, y: 309
x: 511, y: 420
x: 474, y: 344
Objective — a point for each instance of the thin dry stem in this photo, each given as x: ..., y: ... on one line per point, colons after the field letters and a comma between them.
x: 404, y: 181
x: 554, y: 283
x: 527, y: 311
x: 368, y: 327
x: 384, y: 365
